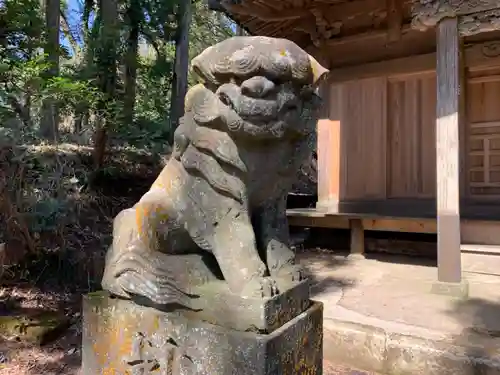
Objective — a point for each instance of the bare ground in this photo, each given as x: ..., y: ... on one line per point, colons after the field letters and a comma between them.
x: 61, y: 356
x: 55, y: 225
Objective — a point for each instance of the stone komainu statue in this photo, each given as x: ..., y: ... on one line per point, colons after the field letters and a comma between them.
x: 217, y: 210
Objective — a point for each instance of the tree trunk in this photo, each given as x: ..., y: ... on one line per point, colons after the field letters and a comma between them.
x: 101, y: 138
x: 49, y: 126
x: 86, y: 63
x: 109, y: 40
x: 81, y: 118
x: 21, y: 110
x: 180, y: 78
x: 134, y: 18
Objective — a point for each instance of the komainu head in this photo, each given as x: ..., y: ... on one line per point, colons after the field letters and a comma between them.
x: 257, y: 99
x: 260, y: 87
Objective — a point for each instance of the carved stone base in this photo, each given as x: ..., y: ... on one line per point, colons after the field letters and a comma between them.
x: 122, y: 337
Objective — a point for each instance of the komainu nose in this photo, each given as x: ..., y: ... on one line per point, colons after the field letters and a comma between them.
x: 257, y: 87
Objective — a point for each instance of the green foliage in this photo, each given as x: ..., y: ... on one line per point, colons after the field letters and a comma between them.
x: 18, y: 71
x: 50, y: 201
x: 70, y: 93
x: 44, y: 215
x: 77, y: 89
x: 17, y: 78
x: 153, y: 92
x: 23, y: 28
x: 91, y: 59
x: 207, y: 28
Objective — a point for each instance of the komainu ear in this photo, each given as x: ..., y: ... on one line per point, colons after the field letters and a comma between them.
x: 320, y: 73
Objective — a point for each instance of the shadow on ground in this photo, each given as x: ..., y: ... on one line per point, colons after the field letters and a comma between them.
x: 25, y: 312
x: 402, y: 259
x: 319, y: 271
x: 480, y: 335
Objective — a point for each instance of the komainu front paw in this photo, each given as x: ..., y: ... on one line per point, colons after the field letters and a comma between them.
x: 262, y: 287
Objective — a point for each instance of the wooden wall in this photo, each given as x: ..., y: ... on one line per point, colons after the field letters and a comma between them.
x: 358, y: 106
x: 483, y: 136
x: 410, y: 138
x: 387, y: 136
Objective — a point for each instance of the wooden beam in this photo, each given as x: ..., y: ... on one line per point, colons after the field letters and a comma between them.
x: 484, y: 79
x: 479, y: 232
x: 427, y: 14
x: 396, y: 67
x: 326, y: 221
x: 265, y: 15
x: 448, y: 151
x: 477, y: 56
x: 482, y: 22
x: 272, y: 28
x: 353, y: 9
x: 277, y: 6
x: 468, y: 25
x: 480, y: 56
x: 401, y: 225
x: 365, y: 36
x: 394, y: 20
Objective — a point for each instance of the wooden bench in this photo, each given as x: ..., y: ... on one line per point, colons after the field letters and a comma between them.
x: 473, y: 231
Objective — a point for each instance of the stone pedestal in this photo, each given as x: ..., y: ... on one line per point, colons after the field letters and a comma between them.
x: 217, y: 305
x: 122, y: 337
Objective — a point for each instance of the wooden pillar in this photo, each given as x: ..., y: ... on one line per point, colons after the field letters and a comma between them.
x: 328, y: 150
x: 357, y: 239
x: 448, y: 158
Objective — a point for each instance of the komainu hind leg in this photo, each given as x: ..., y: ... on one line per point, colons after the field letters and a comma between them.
x: 135, y: 267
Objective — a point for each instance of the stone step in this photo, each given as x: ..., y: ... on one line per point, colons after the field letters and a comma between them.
x: 383, y: 350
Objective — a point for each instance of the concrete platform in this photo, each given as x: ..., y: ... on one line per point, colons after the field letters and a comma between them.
x: 379, y: 314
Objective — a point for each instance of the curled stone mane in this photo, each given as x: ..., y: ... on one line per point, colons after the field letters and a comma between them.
x: 212, y: 155
x: 203, y: 144
x: 242, y: 57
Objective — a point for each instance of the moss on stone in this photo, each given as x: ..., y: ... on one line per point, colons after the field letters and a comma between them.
x: 38, y: 328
